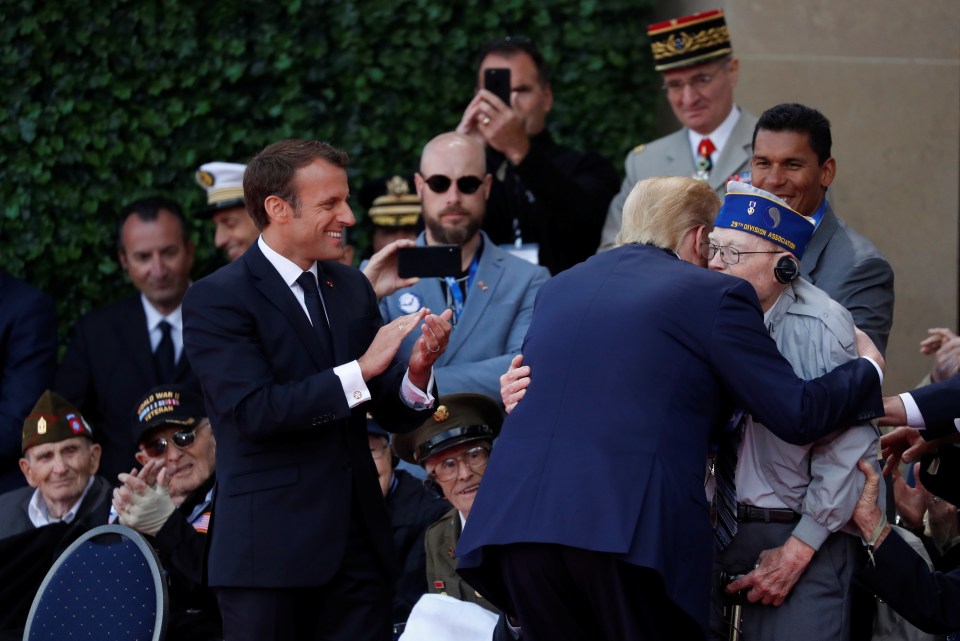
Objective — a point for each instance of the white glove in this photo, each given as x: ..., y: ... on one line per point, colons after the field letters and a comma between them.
x: 148, y: 512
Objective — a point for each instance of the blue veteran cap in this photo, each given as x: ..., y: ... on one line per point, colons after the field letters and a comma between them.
x: 758, y: 212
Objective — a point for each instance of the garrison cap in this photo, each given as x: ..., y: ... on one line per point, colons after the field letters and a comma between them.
x: 53, y: 419
x: 758, y: 212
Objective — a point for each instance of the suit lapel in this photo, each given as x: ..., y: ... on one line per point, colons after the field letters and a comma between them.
x: 275, y: 290
x: 825, y: 231
x: 131, y: 328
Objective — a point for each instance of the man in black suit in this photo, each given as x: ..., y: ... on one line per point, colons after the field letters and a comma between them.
x: 28, y: 359
x: 300, y: 540
x: 118, y: 352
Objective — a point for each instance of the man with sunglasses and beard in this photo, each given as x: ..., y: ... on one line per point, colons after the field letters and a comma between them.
x: 492, y: 297
x: 170, y: 500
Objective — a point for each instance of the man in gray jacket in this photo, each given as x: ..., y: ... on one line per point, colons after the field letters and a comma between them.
x: 791, y: 501
x: 695, y: 56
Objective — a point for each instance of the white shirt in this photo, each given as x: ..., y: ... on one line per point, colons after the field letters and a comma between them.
x: 718, y: 136
x: 351, y: 378
x: 37, y: 508
x: 175, y: 318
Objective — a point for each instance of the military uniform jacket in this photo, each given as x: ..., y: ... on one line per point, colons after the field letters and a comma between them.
x: 411, y: 509
x: 818, y: 481
x: 442, y: 577
x: 671, y: 156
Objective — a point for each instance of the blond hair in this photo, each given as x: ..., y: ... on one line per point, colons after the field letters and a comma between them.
x: 659, y: 211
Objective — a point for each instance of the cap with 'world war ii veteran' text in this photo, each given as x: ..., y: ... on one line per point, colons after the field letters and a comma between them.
x: 53, y: 419
x: 167, y: 405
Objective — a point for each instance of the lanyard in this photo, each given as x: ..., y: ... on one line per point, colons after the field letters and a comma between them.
x: 455, y: 293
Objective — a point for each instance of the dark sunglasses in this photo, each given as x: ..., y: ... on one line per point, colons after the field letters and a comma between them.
x: 158, y: 446
x: 439, y: 184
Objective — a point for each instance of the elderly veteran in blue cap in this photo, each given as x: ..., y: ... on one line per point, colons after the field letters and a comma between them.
x: 793, y: 502
x: 234, y: 228
x: 60, y: 461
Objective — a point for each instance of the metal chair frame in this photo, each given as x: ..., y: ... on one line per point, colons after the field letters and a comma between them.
x: 153, y: 562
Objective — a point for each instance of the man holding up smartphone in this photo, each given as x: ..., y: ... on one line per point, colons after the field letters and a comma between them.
x: 490, y: 292
x: 543, y: 194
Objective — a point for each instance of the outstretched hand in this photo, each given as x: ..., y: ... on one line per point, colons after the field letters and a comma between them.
x: 514, y: 383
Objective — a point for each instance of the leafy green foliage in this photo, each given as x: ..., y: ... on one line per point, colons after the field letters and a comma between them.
x: 114, y: 100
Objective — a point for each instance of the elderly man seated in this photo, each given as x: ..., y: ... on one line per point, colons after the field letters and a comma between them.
x: 453, y: 446
x: 791, y: 500
x: 65, y: 498
x: 411, y: 508
x: 60, y: 461
x: 170, y: 500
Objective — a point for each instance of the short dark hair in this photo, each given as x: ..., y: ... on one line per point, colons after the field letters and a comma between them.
x: 271, y: 173
x: 147, y: 210
x: 800, y: 119
x: 510, y: 46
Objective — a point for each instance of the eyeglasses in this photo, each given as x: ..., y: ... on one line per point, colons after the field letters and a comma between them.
x: 728, y: 255
x: 158, y: 446
x: 475, y: 458
x: 698, y: 82
x: 439, y: 184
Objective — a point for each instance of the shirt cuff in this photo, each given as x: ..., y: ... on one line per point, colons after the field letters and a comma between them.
x: 354, y: 387
x: 879, y: 370
x: 914, y: 417
x: 412, y: 396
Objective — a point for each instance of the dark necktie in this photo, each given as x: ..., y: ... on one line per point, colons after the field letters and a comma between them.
x: 725, y: 497
x: 311, y: 296
x: 704, y: 149
x: 163, y: 358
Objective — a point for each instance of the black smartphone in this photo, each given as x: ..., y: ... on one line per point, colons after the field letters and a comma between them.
x: 434, y: 261
x: 497, y: 80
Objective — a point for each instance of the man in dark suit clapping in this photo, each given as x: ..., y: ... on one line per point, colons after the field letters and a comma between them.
x: 300, y: 540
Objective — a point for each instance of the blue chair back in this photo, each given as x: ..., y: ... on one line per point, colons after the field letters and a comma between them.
x: 107, y: 586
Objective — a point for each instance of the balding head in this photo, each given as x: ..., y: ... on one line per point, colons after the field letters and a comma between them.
x: 453, y: 186
x: 449, y: 144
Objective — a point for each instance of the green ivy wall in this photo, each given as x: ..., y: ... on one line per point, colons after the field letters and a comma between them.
x: 104, y: 102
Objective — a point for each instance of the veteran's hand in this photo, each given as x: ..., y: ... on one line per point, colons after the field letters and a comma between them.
x: 514, y: 383
x: 776, y: 572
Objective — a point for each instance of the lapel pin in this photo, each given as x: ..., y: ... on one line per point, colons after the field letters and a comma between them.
x: 329, y: 283
x: 482, y: 284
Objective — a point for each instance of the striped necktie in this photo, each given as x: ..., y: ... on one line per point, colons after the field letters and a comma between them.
x: 725, y: 497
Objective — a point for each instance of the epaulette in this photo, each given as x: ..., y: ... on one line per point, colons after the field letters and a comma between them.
x: 837, y: 325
